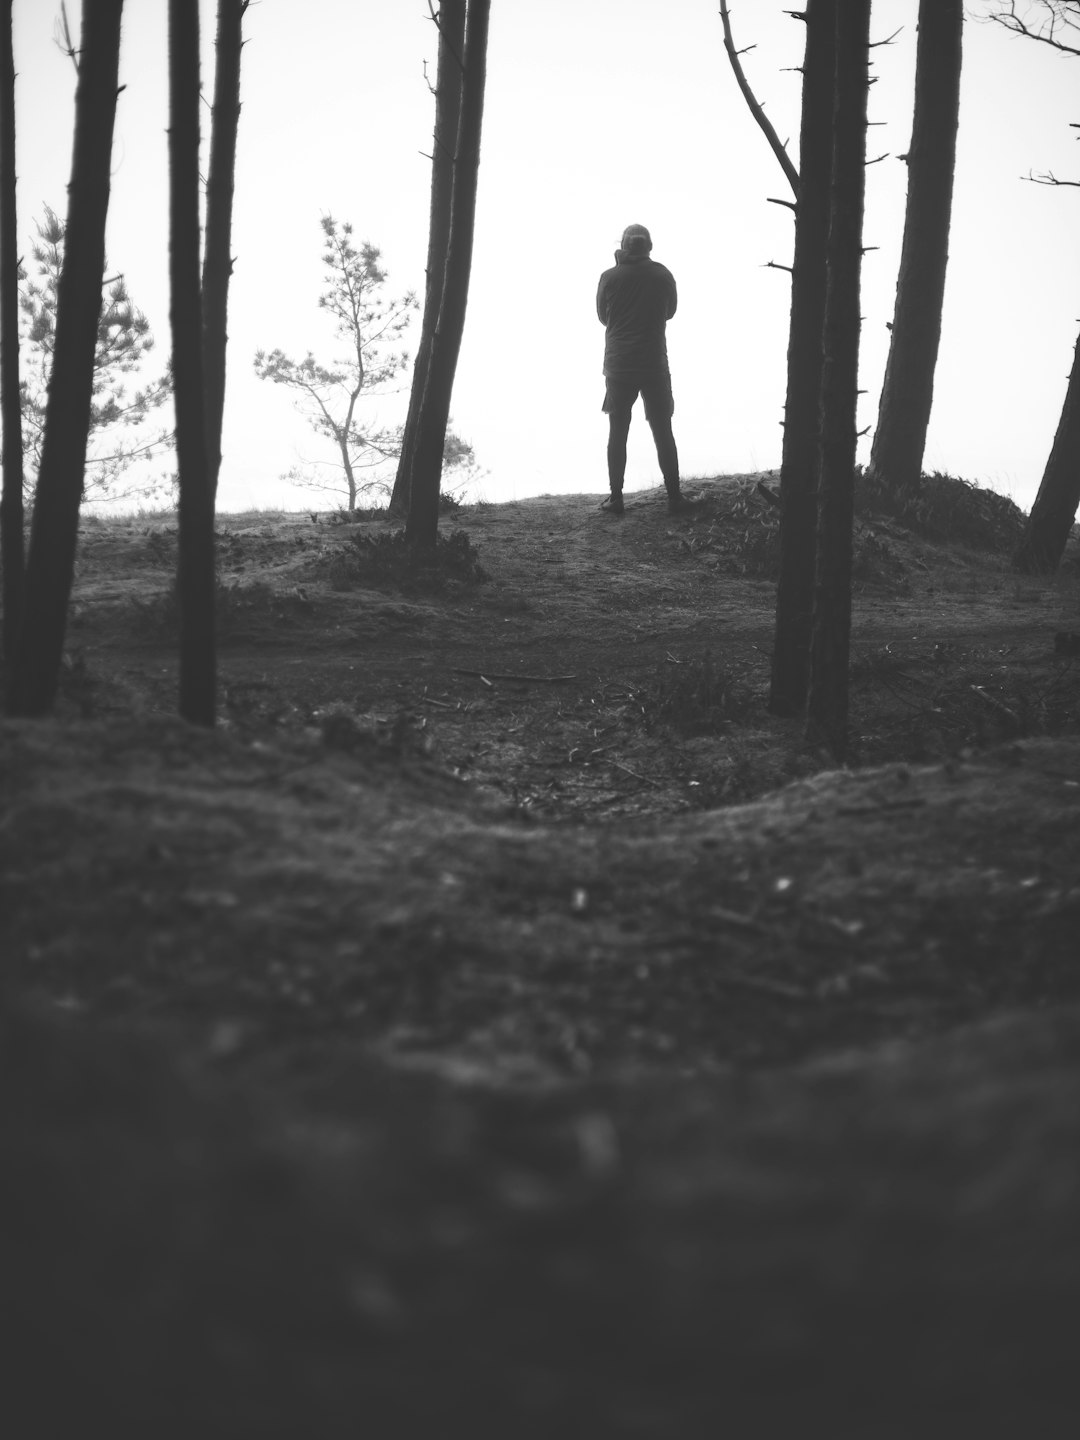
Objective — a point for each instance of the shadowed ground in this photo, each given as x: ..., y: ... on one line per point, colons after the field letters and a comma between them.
x: 519, y: 1030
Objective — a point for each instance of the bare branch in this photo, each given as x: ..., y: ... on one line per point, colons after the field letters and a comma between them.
x: 1061, y: 15
x: 62, y: 36
x: 1048, y: 179
x: 765, y: 125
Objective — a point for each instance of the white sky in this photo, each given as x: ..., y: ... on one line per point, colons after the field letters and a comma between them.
x: 599, y: 113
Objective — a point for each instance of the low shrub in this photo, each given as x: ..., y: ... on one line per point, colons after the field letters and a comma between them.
x: 696, y: 697
x: 948, y: 508
x: 386, y: 559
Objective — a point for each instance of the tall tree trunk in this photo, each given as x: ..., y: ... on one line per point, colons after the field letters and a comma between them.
x: 1054, y: 510
x: 827, y: 701
x: 444, y: 141
x: 421, y: 529
x: 802, y: 420
x: 217, y: 260
x: 51, y: 560
x: 907, y: 394
x: 11, y: 495
x: 195, y: 577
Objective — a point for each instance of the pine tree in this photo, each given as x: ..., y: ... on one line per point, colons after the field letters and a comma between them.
x: 805, y: 357
x: 451, y: 24
x: 195, y: 575
x: 51, y: 559
x: 421, y: 529
x: 827, y: 700
x: 907, y: 393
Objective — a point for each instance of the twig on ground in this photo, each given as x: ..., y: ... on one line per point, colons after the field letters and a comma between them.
x: 995, y: 704
x: 732, y: 917
x: 488, y: 675
x: 643, y: 778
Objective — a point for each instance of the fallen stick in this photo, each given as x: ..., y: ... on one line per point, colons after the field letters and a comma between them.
x: 524, y: 679
x: 732, y: 917
x: 643, y: 778
x: 995, y: 704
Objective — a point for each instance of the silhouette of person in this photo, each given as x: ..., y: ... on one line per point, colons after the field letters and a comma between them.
x: 634, y: 300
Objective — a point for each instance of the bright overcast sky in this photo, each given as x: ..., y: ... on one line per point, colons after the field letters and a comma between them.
x: 599, y: 113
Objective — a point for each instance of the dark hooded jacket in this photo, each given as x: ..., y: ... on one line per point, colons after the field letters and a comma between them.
x: 635, y: 300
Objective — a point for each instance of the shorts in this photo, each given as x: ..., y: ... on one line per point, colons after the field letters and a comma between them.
x: 655, y: 391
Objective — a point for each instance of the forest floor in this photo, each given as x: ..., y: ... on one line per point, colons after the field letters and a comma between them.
x: 500, y: 1025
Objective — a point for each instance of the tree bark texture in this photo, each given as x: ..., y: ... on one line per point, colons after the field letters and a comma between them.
x: 51, y: 559
x: 421, y: 529
x: 217, y: 259
x: 195, y: 576
x: 11, y: 493
x: 907, y: 393
x: 1054, y: 511
x: 827, y: 700
x: 444, y: 142
x: 802, y: 419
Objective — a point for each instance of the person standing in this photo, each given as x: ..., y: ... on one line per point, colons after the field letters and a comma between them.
x: 634, y: 300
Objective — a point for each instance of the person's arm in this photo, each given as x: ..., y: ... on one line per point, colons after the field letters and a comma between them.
x: 602, y: 302
x: 673, y: 295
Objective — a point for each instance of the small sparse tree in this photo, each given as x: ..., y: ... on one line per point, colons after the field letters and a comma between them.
x: 370, y: 325
x: 125, y: 425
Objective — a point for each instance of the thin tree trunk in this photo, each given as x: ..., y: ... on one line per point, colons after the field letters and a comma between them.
x: 907, y: 393
x: 444, y: 142
x: 217, y: 260
x: 827, y: 701
x: 195, y: 578
x: 1054, y: 511
x: 350, y: 478
x: 11, y: 495
x: 802, y: 419
x: 421, y: 529
x: 51, y: 560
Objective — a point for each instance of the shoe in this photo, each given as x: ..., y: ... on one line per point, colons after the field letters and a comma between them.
x: 613, y: 505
